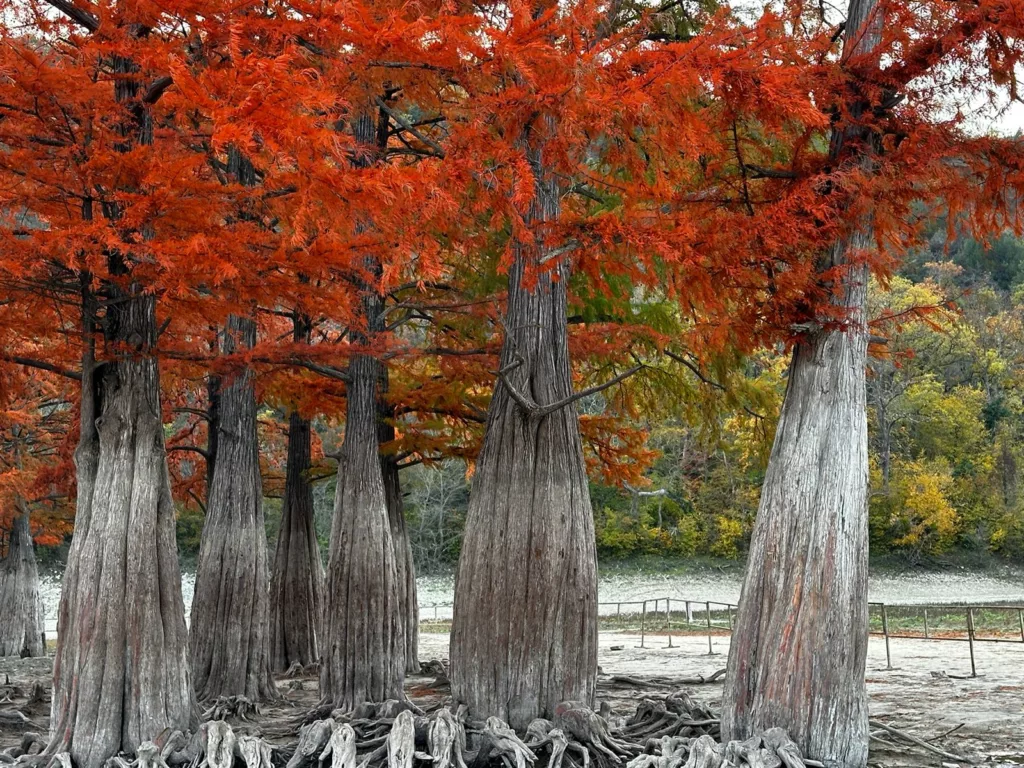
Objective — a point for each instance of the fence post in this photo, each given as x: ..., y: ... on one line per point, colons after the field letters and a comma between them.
x: 925, y: 623
x: 1020, y: 618
x: 668, y: 620
x: 643, y: 624
x: 729, y: 610
x: 435, y: 611
x: 708, y: 606
x: 689, y: 614
x: 970, y: 639
x: 885, y: 631
x: 618, y: 610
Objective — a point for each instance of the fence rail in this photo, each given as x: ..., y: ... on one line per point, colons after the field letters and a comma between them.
x: 971, y: 624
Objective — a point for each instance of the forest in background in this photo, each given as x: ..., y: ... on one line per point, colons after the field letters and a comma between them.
x: 946, y: 431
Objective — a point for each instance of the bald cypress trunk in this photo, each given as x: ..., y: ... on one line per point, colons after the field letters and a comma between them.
x: 121, y: 673
x: 297, y: 584
x: 407, y: 597
x: 524, y: 636
x: 363, y: 658
x: 230, y: 628
x: 21, y: 606
x: 799, y: 646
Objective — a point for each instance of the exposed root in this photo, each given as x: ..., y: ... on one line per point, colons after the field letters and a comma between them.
x: 220, y: 745
x: 226, y: 707
x: 254, y: 752
x: 341, y: 747
x: 446, y: 741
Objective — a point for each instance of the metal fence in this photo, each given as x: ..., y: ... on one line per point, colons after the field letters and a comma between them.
x: 663, y: 616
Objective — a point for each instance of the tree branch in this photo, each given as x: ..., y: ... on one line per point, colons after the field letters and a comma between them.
x: 76, y: 14
x: 43, y: 366
x: 552, y: 407
x: 406, y: 125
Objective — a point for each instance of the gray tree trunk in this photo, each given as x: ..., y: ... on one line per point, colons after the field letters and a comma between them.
x: 297, y: 583
x: 363, y: 657
x: 230, y: 627
x: 121, y: 673
x: 799, y: 645
x: 21, y: 606
x: 407, y: 597
x: 524, y: 636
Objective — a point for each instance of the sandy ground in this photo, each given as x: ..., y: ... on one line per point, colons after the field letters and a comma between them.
x: 928, y: 693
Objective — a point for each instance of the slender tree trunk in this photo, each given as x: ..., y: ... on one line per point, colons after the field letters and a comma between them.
x: 407, y: 597
x: 21, y: 617
x: 363, y: 658
x: 230, y: 627
x: 524, y: 636
x: 800, y: 642
x: 297, y: 584
x: 121, y: 673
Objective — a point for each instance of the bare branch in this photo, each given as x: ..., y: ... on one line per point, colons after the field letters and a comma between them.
x: 42, y: 365
x: 552, y: 407
x: 406, y: 125
x: 76, y: 14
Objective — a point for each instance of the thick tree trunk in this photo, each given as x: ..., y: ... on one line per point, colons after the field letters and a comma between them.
x: 524, y: 636
x: 21, y: 606
x: 363, y: 658
x: 800, y: 642
x: 230, y: 627
x: 297, y: 583
x: 121, y: 671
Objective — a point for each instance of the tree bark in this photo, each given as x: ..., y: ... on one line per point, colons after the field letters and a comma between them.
x: 363, y: 658
x: 799, y: 646
x: 21, y: 619
x: 121, y: 673
x: 524, y: 636
x: 230, y: 628
x: 297, y: 584
x: 407, y: 597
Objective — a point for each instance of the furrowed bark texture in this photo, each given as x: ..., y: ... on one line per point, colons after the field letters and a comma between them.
x: 363, y: 658
x: 229, y: 633
x: 799, y: 646
x: 408, y: 598
x: 297, y: 583
x: 121, y: 672
x: 524, y: 636
x: 21, y: 605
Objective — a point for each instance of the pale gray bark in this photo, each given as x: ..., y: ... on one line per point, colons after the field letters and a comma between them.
x: 524, y: 636
x: 121, y: 673
x: 408, y: 600
x: 21, y: 606
x: 799, y: 645
x: 364, y: 647
x: 230, y: 628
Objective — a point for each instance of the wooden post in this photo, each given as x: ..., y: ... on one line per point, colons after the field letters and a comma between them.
x: 689, y: 614
x: 1020, y: 618
x: 885, y: 631
x: 668, y: 620
x: 970, y: 639
x: 926, y: 623
x: 643, y: 624
x: 710, y: 650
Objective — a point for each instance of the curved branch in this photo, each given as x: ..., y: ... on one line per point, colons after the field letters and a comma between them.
x: 42, y: 366
x: 76, y: 14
